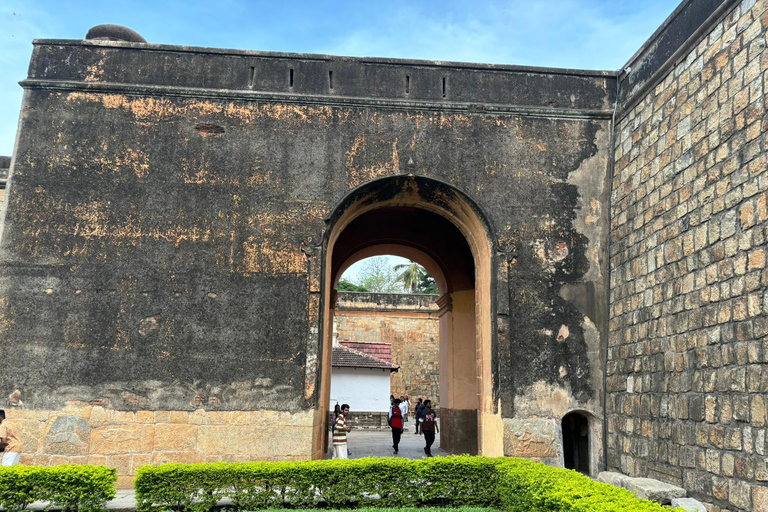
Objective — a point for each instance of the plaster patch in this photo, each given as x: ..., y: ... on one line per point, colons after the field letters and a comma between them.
x: 543, y: 398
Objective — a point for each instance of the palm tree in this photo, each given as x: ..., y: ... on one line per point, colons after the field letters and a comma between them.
x: 410, y: 275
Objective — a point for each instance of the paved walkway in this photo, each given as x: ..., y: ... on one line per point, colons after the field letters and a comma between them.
x: 361, y: 444
x: 379, y: 444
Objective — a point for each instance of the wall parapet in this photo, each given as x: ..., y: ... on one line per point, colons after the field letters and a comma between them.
x: 116, y: 63
x: 367, y: 301
x: 671, y: 42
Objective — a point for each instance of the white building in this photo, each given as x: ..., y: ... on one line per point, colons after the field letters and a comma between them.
x: 360, y: 380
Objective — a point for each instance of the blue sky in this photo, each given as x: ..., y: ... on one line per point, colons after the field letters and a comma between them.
x: 585, y: 34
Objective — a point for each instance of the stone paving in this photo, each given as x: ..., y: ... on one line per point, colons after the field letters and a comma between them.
x: 379, y: 444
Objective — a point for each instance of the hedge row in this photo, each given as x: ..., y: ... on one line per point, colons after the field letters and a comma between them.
x: 72, y: 488
x: 533, y: 487
x: 516, y: 485
x: 379, y: 482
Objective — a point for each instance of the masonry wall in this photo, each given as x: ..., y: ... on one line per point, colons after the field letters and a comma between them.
x: 410, y: 324
x: 163, y: 241
x: 687, y: 373
x: 81, y: 433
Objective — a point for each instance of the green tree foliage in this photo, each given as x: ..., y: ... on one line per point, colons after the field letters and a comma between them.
x: 379, y: 276
x: 415, y: 279
x: 346, y: 286
x: 376, y: 275
x: 427, y: 284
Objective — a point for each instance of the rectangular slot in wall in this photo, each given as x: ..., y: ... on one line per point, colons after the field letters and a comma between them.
x: 291, y: 79
x: 251, y: 77
x: 407, y: 84
x: 330, y: 79
x: 443, y: 87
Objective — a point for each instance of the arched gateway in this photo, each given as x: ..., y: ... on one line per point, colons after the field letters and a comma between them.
x: 168, y: 253
x: 435, y: 225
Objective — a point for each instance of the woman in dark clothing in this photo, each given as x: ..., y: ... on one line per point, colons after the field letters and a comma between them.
x: 395, y: 420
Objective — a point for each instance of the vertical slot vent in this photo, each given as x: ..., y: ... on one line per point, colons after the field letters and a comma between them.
x: 251, y: 77
x: 443, y: 87
x: 407, y: 84
x: 330, y: 79
x: 291, y: 78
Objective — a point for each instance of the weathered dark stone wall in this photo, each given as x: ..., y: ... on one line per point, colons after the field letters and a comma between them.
x: 161, y: 244
x: 687, y: 372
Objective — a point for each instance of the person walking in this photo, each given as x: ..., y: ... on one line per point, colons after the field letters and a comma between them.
x: 429, y: 427
x: 395, y: 420
x: 10, y: 442
x: 419, y: 414
x: 404, y: 405
x: 340, y: 430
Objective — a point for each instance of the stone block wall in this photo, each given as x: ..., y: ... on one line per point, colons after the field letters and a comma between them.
x: 686, y: 374
x: 127, y: 440
x: 365, y: 420
x: 409, y: 323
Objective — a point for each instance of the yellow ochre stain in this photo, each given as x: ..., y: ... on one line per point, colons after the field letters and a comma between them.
x: 162, y: 109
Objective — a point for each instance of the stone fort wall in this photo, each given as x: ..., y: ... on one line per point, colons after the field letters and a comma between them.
x: 185, y: 268
x: 686, y: 374
x: 409, y: 323
x: 81, y: 433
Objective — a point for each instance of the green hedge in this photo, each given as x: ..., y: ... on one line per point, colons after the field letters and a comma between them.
x: 533, y: 487
x: 379, y: 482
x: 516, y: 485
x: 83, y: 488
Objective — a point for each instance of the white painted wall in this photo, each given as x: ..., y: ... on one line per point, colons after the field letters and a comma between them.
x: 364, y: 389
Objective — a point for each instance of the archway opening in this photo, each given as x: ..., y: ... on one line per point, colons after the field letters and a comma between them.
x: 431, y: 224
x: 575, y: 428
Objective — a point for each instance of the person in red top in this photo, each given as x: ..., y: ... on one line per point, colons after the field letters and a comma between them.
x: 340, y: 434
x: 395, y: 420
x: 429, y: 426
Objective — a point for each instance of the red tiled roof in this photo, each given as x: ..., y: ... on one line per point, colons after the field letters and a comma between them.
x: 381, y: 351
x: 346, y: 357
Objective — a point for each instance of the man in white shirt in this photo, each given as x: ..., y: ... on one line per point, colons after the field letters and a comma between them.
x: 404, y: 405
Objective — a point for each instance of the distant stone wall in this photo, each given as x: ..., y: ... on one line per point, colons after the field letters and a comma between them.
x: 409, y: 323
x: 687, y: 373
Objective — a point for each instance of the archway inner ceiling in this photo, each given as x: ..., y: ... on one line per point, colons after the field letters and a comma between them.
x: 419, y: 229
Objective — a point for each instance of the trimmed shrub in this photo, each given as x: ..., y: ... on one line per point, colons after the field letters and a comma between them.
x: 516, y: 485
x: 533, y: 487
x: 73, y: 488
x: 374, y: 482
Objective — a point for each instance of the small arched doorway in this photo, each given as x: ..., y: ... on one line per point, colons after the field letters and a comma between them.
x: 575, y: 428
x: 436, y: 226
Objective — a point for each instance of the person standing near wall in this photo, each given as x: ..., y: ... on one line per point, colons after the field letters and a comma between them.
x: 429, y: 426
x: 340, y: 430
x: 395, y: 421
x: 419, y: 414
x: 10, y: 442
x: 404, y: 405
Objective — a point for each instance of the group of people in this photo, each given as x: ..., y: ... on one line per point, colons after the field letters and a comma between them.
x: 425, y: 419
